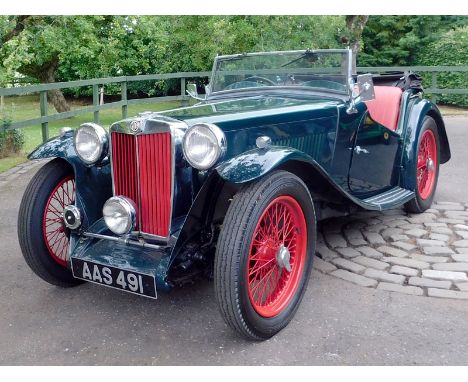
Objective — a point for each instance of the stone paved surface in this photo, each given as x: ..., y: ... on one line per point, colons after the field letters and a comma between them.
x: 425, y: 254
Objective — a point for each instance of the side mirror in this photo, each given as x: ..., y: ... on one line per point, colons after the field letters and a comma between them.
x: 365, y: 91
x: 366, y: 87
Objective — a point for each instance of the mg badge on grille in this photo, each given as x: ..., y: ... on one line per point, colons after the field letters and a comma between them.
x: 135, y: 125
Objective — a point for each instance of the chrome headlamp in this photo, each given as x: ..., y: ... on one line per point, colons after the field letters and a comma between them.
x: 203, y: 145
x: 120, y: 215
x: 91, y: 143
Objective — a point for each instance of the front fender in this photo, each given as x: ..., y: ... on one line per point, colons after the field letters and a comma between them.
x: 58, y: 147
x: 213, y: 198
x: 258, y: 162
x: 93, y: 183
x: 419, y: 110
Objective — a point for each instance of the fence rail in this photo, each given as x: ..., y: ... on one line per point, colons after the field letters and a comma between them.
x: 124, y: 102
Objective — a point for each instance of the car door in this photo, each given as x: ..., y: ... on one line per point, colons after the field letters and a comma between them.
x: 374, y: 165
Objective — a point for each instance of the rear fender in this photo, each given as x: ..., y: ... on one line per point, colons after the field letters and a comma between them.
x: 93, y: 183
x: 411, y: 136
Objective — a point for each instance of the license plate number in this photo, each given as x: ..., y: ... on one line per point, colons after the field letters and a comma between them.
x: 133, y: 282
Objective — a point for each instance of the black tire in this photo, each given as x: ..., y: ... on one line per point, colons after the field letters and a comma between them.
x: 418, y: 204
x: 233, y: 248
x: 30, y: 224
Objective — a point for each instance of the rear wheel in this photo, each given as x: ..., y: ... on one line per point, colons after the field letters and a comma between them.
x: 264, y: 255
x: 43, y: 237
x: 427, y: 167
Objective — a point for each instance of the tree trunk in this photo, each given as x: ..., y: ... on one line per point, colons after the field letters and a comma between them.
x: 47, y: 75
x: 352, y: 37
x: 57, y: 99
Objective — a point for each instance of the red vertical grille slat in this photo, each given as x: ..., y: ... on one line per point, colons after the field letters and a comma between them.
x: 153, y: 170
x: 155, y: 158
x: 124, y: 165
x: 153, y: 207
x: 160, y: 181
x: 166, y: 179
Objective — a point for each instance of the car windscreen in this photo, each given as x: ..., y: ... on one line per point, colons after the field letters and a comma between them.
x: 325, y: 70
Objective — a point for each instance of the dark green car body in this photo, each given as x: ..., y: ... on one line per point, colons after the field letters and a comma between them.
x: 312, y: 135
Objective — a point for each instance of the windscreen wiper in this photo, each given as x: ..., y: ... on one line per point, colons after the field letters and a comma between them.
x: 307, y: 53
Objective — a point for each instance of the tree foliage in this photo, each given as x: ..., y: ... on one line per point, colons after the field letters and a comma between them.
x: 449, y: 49
x: 197, y: 39
x: 37, y: 46
x: 399, y: 40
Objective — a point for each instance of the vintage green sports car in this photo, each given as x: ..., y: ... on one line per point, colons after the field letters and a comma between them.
x: 232, y: 187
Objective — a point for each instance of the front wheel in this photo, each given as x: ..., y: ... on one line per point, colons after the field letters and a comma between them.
x: 427, y: 167
x: 264, y: 255
x: 42, y: 234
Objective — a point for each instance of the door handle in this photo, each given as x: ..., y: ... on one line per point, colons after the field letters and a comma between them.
x: 358, y: 150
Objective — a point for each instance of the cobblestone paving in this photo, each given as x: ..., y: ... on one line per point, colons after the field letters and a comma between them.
x: 425, y: 254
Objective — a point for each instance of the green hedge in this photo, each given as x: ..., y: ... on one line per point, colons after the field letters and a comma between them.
x: 11, y: 141
x: 450, y: 49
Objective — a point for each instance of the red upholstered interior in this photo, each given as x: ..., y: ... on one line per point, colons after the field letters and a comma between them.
x: 385, y: 108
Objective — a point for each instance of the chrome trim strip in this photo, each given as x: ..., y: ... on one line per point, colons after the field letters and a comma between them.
x: 227, y: 56
x: 123, y: 239
x: 389, y: 196
x: 111, y: 162
x: 137, y: 154
x: 384, y: 196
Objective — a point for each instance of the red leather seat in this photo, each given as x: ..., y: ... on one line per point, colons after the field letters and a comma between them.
x: 385, y: 108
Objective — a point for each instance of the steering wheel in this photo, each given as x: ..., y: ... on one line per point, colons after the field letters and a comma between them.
x: 261, y: 79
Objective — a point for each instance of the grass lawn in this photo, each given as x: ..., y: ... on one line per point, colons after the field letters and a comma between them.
x: 26, y: 107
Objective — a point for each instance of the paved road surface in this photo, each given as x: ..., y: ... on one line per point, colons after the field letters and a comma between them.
x: 338, y: 323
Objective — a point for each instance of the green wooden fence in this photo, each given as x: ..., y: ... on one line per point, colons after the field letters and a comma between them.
x: 124, y: 102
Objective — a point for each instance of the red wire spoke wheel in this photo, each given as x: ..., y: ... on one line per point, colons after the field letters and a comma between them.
x: 427, y: 167
x: 427, y: 158
x: 56, y: 235
x: 43, y: 237
x: 277, y: 256
x: 264, y: 254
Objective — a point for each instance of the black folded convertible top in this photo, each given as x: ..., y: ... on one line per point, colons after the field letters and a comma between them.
x: 403, y: 80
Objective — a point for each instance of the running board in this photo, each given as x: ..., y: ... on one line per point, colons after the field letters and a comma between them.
x: 388, y: 199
